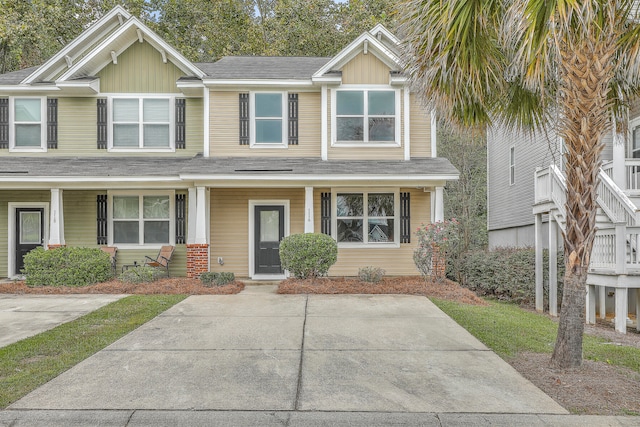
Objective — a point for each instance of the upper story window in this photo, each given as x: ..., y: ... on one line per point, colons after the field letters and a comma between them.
x: 142, y: 123
x: 142, y: 219
x: 635, y: 141
x: 512, y: 165
x: 28, y: 116
x: 366, y: 116
x: 269, y: 119
x: 366, y: 218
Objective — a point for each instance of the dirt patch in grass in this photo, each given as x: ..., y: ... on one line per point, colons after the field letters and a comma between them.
x: 179, y: 285
x: 389, y: 285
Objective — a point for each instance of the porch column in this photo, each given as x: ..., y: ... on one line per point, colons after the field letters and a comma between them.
x: 619, y: 171
x: 439, y: 212
x: 591, y: 304
x: 308, y: 210
x: 553, y: 266
x: 191, y: 231
x: 56, y: 220
x: 538, y: 261
x: 621, y: 309
x: 602, y: 297
x: 638, y: 310
x: 198, y: 246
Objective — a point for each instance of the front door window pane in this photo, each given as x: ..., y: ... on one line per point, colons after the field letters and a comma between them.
x: 269, y: 226
x: 30, y: 230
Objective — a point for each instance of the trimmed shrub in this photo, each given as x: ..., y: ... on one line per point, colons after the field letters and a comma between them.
x: 212, y: 278
x: 371, y: 274
x: 142, y: 274
x: 506, y: 273
x: 308, y: 255
x: 67, y: 266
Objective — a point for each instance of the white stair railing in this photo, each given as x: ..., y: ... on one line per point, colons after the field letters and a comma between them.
x: 613, y: 201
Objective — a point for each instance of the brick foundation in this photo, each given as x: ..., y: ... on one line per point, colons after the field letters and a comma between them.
x: 197, y: 260
x: 55, y: 246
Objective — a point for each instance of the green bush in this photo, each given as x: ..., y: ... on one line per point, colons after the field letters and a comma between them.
x: 212, y: 278
x: 142, y: 274
x: 308, y: 255
x: 371, y: 274
x: 67, y: 266
x: 507, y: 273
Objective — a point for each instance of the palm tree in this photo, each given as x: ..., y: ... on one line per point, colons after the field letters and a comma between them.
x: 518, y: 63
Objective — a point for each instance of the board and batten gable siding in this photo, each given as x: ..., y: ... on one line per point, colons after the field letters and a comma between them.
x: 77, y: 132
x: 15, y: 196
x: 140, y: 70
x: 365, y: 70
x: 224, y: 131
x: 512, y: 205
x: 230, y: 223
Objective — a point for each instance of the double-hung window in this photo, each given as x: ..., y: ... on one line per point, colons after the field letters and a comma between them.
x: 29, y: 123
x: 366, y: 116
x: 142, y: 123
x: 366, y: 218
x: 268, y: 110
x: 142, y: 219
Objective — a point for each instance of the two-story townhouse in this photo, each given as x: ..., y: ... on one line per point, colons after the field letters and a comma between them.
x: 119, y: 140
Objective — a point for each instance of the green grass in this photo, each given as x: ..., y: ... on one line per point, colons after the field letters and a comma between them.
x: 507, y: 329
x: 27, y: 364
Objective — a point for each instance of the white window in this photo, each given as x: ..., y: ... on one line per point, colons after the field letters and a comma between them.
x: 635, y: 141
x: 366, y: 116
x: 142, y: 219
x: 29, y: 130
x: 512, y: 165
x: 268, y: 114
x: 142, y: 123
x: 366, y: 218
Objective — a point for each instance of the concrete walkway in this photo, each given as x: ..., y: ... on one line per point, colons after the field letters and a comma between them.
x: 22, y: 316
x: 258, y: 358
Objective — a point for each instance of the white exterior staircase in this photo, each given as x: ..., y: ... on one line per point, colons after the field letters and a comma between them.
x: 615, y: 259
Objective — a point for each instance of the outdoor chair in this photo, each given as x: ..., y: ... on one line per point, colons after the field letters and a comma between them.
x: 112, y: 251
x: 162, y: 260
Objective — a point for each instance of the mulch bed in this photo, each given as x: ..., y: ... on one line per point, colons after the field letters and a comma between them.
x: 179, y: 285
x: 407, y: 285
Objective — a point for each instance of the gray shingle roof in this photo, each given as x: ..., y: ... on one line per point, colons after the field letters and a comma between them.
x: 263, y: 67
x: 15, y: 77
x: 15, y: 168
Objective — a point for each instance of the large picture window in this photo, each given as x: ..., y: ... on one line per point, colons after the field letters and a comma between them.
x: 366, y: 218
x: 366, y: 116
x: 142, y: 219
x: 269, y: 119
x: 142, y: 123
x: 29, y: 128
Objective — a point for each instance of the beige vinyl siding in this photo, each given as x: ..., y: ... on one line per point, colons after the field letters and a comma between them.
x: 140, y: 70
x: 365, y: 69
x: 230, y: 223
x: 6, y: 197
x: 395, y: 261
x: 77, y: 132
x: 225, y: 133
x: 420, y: 130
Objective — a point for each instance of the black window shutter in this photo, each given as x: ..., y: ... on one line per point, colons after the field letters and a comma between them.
x: 102, y: 123
x: 102, y: 219
x: 244, y: 118
x: 181, y: 208
x: 4, y: 122
x: 52, y: 123
x: 405, y: 217
x: 180, y: 123
x: 293, y: 119
x: 325, y: 213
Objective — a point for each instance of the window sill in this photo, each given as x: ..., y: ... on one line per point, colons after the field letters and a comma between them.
x: 390, y: 245
x: 131, y: 246
x: 351, y: 144
x: 141, y: 150
x: 28, y: 150
x: 269, y: 146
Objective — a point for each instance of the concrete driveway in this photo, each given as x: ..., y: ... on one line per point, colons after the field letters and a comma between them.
x: 22, y: 316
x: 258, y: 353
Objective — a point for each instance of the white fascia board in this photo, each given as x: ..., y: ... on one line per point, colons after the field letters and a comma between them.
x: 80, y: 87
x: 66, y: 179
x: 345, y: 55
x: 8, y: 89
x: 398, y: 80
x: 108, y: 20
x: 379, y: 28
x: 327, y: 80
x: 312, y: 178
x: 133, y: 23
x: 258, y: 83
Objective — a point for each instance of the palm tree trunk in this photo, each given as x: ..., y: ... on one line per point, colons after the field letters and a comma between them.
x: 586, y: 68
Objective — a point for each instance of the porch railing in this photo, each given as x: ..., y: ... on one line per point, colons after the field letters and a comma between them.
x: 616, y: 250
x: 613, y: 201
x: 632, y: 174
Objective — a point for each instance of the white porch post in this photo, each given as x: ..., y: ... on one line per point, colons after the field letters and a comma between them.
x: 621, y: 309
x: 619, y: 171
x: 56, y: 219
x: 637, y: 309
x: 553, y: 266
x: 308, y: 210
x: 602, y: 295
x: 201, y: 216
x: 439, y: 212
x: 324, y: 122
x: 591, y: 304
x: 538, y: 261
x: 191, y: 232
